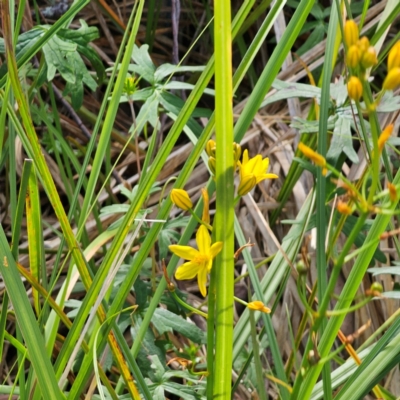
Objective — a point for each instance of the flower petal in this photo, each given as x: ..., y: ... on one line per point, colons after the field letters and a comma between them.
x: 216, y: 248
x: 187, y: 271
x: 202, y: 281
x: 186, y: 252
x: 245, y: 157
x: 203, y: 240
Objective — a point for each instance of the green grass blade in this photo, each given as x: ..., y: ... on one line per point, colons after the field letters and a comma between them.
x: 27, y: 323
x: 276, y: 271
x: 272, y: 68
x: 223, y: 223
x: 348, y: 293
x: 266, y: 318
x: 322, y: 145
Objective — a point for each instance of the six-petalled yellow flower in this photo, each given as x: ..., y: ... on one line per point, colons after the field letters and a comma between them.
x: 252, y: 171
x: 200, y: 261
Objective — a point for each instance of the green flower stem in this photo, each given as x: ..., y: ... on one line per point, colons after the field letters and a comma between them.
x: 186, y: 305
x: 349, y: 309
x: 199, y: 220
x: 224, y: 230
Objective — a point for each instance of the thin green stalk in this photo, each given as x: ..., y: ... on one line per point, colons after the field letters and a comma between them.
x: 348, y: 293
x: 223, y: 223
x: 321, y: 181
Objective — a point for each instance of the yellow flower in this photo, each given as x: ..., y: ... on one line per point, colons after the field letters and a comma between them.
x: 384, y: 136
x: 392, y: 79
x: 252, y: 171
x: 312, y: 155
x: 181, y: 199
x: 258, y: 306
x: 354, y: 88
x: 394, y: 56
x: 200, y: 260
x: 350, y: 33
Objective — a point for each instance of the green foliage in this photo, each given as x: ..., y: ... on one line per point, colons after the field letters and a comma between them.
x: 102, y: 298
x: 158, y: 94
x: 63, y: 53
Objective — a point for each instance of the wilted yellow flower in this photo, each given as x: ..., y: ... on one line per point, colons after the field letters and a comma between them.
x: 353, y: 56
x: 206, y: 212
x: 312, y: 155
x: 181, y: 199
x: 392, y: 79
x: 384, y: 136
x: 344, y: 208
x: 392, y: 192
x: 350, y: 32
x: 354, y: 88
x: 258, y: 306
x: 394, y: 56
x: 200, y: 263
x: 369, y: 58
x: 252, y: 172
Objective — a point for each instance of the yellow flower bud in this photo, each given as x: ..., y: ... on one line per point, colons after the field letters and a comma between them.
x: 237, y: 152
x: 210, y: 148
x: 354, y: 88
x: 344, y: 208
x: 392, y: 79
x: 312, y: 155
x: 353, y: 56
x: 212, y: 165
x: 369, y: 58
x: 394, y: 56
x: 130, y: 85
x: 384, y: 136
x: 376, y: 287
x: 258, y: 306
x: 246, y: 184
x: 181, y: 199
x: 350, y: 33
x: 363, y: 44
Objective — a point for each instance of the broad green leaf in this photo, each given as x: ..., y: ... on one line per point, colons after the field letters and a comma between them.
x: 384, y: 270
x: 165, y: 70
x: 389, y: 103
x: 144, y: 65
x: 342, y: 142
x: 166, y: 321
